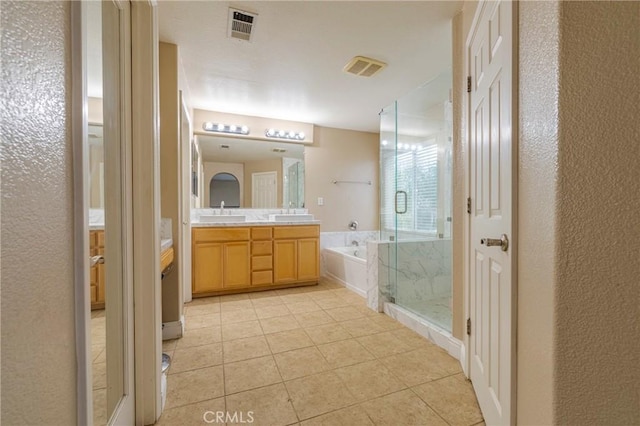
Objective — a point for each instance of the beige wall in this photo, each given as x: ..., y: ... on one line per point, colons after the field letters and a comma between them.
x: 597, y: 354
x: 170, y: 173
x: 338, y: 154
x: 273, y: 165
x: 38, y: 365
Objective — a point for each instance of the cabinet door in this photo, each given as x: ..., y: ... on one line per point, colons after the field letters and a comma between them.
x: 207, y: 267
x: 285, y: 261
x: 237, y: 265
x: 100, y: 282
x: 308, y: 259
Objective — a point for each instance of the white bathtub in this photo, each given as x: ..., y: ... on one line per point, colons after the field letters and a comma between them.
x: 348, y: 265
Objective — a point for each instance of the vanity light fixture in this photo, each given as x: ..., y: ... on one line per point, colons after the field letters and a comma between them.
x: 284, y: 134
x: 225, y: 128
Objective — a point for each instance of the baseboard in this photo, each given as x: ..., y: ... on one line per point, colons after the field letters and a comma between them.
x: 173, y: 329
x: 356, y: 290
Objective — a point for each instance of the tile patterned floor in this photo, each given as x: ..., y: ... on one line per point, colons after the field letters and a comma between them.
x: 99, y: 367
x: 309, y: 356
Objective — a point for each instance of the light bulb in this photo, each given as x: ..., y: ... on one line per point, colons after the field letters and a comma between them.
x: 271, y: 132
x: 220, y: 127
x: 245, y: 130
x: 301, y: 136
x: 232, y: 128
x: 384, y: 142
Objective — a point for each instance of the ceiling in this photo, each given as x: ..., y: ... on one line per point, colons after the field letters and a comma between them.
x: 292, y: 68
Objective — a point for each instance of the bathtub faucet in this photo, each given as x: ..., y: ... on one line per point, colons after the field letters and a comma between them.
x: 354, y: 243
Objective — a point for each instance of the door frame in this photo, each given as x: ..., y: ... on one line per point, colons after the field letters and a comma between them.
x: 146, y: 205
x: 513, y: 243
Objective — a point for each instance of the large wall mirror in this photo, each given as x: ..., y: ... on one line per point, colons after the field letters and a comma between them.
x: 266, y: 174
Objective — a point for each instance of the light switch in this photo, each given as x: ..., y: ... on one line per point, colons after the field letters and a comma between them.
x: 320, y: 201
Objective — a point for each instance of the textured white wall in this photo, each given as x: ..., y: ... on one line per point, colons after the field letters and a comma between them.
x: 537, y: 186
x: 597, y: 355
x: 38, y: 341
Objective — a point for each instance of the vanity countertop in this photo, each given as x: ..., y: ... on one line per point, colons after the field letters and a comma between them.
x: 252, y: 223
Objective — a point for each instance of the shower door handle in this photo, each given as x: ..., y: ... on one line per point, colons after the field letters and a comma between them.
x: 398, y: 193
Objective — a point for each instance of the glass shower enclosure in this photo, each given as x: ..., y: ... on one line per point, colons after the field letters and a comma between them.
x: 416, y: 199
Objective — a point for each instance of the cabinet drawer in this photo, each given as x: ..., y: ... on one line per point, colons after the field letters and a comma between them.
x: 260, y: 248
x: 259, y: 263
x: 220, y: 234
x: 261, y: 233
x: 282, y: 232
x: 261, y: 277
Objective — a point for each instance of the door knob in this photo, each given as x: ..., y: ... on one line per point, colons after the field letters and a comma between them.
x: 97, y: 259
x: 502, y: 242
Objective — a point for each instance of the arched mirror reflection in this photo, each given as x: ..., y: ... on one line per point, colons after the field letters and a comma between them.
x: 224, y: 191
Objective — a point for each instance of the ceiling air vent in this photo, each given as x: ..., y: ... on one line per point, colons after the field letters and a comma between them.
x: 241, y: 24
x: 364, y: 67
x: 224, y: 146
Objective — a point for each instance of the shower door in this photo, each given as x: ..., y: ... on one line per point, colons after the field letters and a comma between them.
x: 415, y: 160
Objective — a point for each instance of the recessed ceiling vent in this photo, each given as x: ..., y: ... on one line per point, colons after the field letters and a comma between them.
x: 364, y: 67
x: 241, y: 24
x: 224, y: 146
x: 279, y: 150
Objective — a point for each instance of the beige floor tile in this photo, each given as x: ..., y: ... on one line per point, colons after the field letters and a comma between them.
x: 296, y: 290
x: 99, y: 371
x: 300, y: 362
x: 266, y: 301
x: 369, y: 380
x: 234, y: 297
x: 200, y: 336
x: 412, y: 338
x: 238, y: 315
x: 309, y: 319
x: 325, y: 294
x: 100, y: 407
x: 272, y: 311
x: 365, y: 310
x: 290, y: 299
x: 453, y: 398
x: 98, y: 313
x: 361, y: 327
x: 235, y: 304
x: 288, y: 340
x: 350, y: 416
x: 386, y: 322
x: 327, y: 333
x: 269, y: 405
x: 264, y: 294
x: 277, y: 324
x: 345, y: 352
x: 202, y: 321
x: 196, y: 357
x: 241, y: 349
x: 196, y: 310
x: 98, y: 353
x: 169, y: 345
x: 241, y: 330
x: 383, y: 344
x: 344, y: 313
x: 192, y: 414
x: 249, y: 374
x: 302, y: 307
x: 203, y: 301
x: 318, y: 394
x: 331, y: 303
x: 401, y: 408
x: 421, y: 365
x: 194, y: 386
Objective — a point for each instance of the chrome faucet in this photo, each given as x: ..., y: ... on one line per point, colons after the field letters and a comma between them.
x: 221, y: 208
x: 354, y: 243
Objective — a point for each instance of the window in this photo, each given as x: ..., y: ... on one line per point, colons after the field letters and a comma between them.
x: 416, y: 173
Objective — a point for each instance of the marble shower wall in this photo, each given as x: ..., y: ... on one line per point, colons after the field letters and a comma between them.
x: 423, y: 272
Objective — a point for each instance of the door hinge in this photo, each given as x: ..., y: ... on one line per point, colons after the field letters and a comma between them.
x: 469, y: 84
x: 469, y: 205
x: 468, y: 326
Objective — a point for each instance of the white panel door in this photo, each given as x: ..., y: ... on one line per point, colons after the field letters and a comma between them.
x: 491, y: 285
x: 264, y: 190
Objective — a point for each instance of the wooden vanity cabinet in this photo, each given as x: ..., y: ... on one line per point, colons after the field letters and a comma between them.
x: 96, y: 245
x: 221, y: 259
x: 229, y: 260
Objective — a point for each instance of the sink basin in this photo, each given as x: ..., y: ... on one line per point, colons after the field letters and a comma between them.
x: 290, y: 217
x: 227, y: 218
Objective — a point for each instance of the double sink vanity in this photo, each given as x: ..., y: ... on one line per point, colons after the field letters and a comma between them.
x: 236, y: 252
